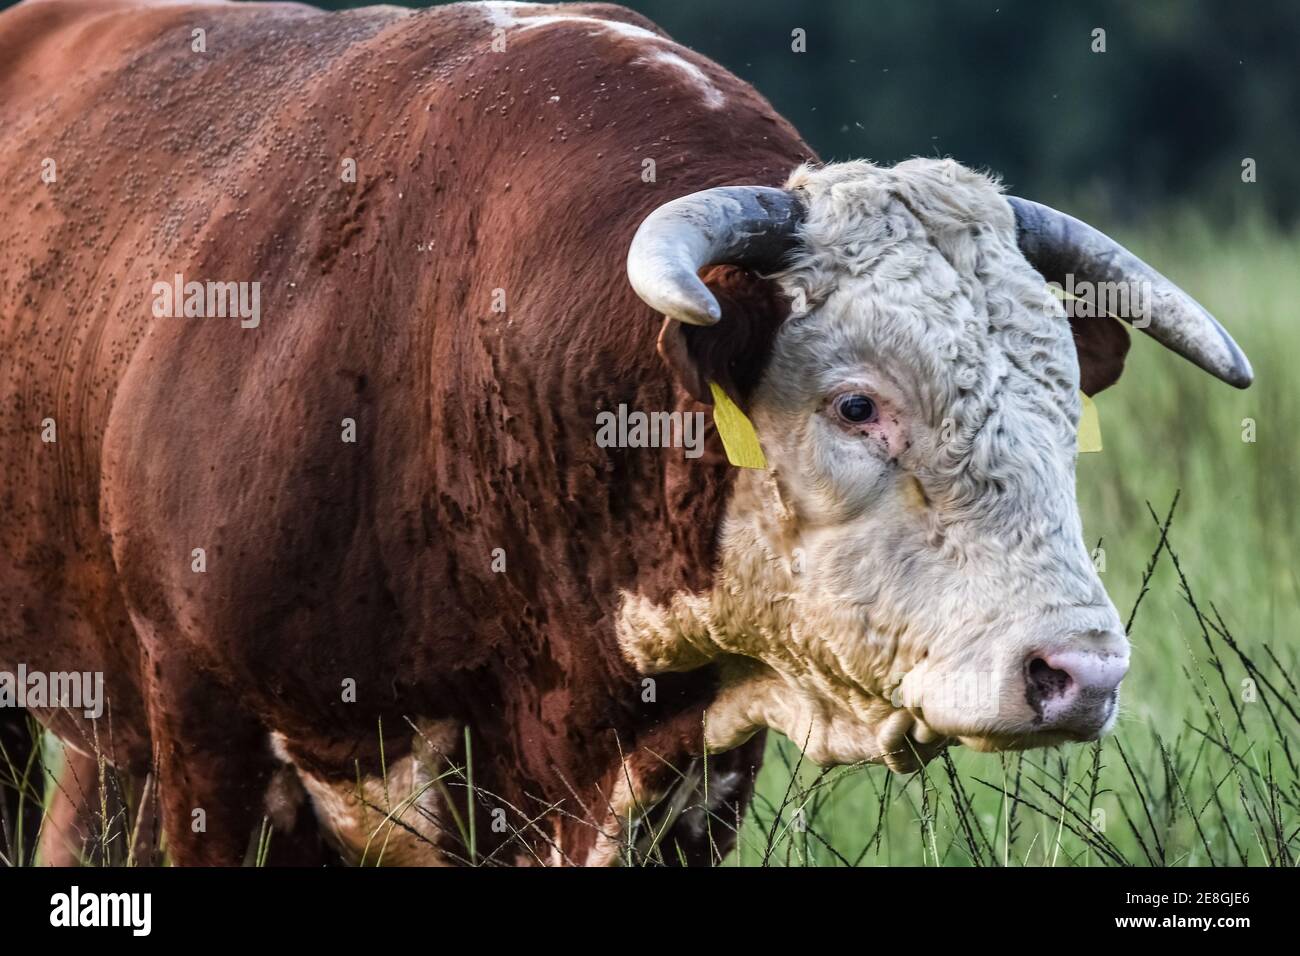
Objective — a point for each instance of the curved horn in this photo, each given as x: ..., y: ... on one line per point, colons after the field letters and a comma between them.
x: 1057, y: 245
x: 740, y: 225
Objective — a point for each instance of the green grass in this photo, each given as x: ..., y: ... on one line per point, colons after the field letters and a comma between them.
x: 1195, y: 773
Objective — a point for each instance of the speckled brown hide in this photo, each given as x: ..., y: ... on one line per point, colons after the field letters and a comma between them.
x: 475, y: 430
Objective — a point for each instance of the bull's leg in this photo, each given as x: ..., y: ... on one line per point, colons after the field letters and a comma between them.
x: 21, y: 786
x: 213, y: 765
x: 220, y: 786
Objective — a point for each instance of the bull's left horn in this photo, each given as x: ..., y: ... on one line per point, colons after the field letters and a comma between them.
x: 1058, y: 245
x: 738, y: 225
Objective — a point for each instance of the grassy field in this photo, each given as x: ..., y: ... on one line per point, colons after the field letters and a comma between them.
x: 1202, y: 768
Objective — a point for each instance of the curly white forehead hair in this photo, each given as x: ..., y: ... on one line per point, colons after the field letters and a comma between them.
x: 916, y: 266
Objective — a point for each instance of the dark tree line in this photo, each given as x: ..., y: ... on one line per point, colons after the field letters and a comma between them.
x: 1184, y: 92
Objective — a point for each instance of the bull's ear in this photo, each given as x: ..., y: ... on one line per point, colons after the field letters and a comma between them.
x: 1102, y: 344
x: 734, y: 351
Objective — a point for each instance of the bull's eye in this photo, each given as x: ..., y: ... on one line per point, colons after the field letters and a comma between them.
x: 856, y: 408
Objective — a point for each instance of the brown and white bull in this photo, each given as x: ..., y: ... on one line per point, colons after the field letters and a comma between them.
x: 336, y: 561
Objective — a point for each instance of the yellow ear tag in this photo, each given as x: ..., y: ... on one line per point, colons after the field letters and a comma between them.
x: 737, y: 431
x: 1089, y: 426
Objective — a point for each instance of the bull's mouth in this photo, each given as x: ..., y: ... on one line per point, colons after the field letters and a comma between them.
x: 908, y: 755
x: 1030, y: 740
x: 1084, y: 730
x: 907, y: 742
x: 909, y: 751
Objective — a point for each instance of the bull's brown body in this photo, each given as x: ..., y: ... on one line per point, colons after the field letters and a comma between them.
x: 326, y: 560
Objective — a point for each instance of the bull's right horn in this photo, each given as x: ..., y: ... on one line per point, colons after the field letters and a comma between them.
x: 737, y: 225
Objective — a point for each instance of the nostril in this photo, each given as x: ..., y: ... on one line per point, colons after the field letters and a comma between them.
x: 1073, y: 689
x: 1047, y: 682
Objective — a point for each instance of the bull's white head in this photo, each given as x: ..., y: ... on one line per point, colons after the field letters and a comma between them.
x: 910, y: 568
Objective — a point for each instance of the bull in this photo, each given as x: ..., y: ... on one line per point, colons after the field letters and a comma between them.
x: 360, y: 568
